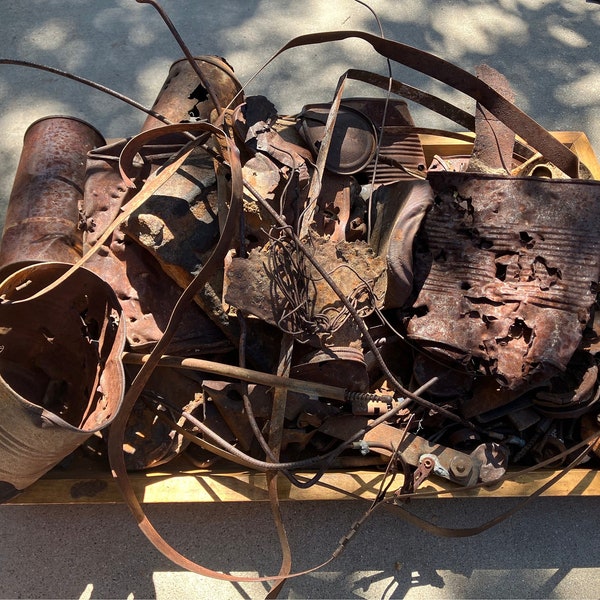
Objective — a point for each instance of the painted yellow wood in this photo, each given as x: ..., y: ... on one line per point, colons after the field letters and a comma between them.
x: 577, y: 141
x: 238, y: 486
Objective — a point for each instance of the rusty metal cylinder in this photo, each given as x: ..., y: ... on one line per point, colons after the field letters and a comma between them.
x: 42, y: 218
x: 61, y: 375
x: 184, y: 97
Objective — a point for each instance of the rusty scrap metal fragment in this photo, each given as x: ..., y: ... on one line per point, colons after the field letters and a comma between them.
x: 184, y: 98
x: 150, y: 441
x: 512, y: 268
x: 486, y: 463
x: 61, y: 373
x: 179, y: 225
x: 399, y: 151
x: 353, y: 142
x: 258, y: 286
x: 494, y: 141
x: 145, y: 292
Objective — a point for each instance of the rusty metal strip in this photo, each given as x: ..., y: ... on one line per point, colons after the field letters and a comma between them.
x: 522, y: 124
x: 275, y: 440
x: 433, y: 103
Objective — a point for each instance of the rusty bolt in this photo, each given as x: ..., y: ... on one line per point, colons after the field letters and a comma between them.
x: 460, y: 467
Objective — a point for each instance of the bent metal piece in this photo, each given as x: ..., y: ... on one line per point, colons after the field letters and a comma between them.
x: 42, y: 218
x: 504, y: 110
x: 61, y: 378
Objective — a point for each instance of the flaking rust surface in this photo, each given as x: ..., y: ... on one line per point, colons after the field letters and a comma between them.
x: 512, y: 274
x: 249, y: 283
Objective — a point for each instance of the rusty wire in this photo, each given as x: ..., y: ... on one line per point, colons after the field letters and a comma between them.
x: 293, y: 290
x: 98, y: 86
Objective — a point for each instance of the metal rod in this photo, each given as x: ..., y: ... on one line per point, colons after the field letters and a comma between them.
x: 198, y: 364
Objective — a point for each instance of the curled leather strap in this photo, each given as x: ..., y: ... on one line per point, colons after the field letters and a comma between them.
x: 424, y: 62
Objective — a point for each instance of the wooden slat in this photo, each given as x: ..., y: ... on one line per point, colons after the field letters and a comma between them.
x: 180, y: 486
x: 577, y: 141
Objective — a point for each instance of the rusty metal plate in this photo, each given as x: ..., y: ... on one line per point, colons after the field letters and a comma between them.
x: 512, y: 271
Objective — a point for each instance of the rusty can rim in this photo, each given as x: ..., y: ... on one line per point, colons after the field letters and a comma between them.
x: 66, y: 118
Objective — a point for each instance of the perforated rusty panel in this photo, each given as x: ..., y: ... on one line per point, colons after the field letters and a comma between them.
x: 513, y: 272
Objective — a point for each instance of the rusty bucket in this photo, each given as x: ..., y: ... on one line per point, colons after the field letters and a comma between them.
x: 61, y: 375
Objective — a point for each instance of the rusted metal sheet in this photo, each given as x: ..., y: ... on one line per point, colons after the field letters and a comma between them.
x: 512, y: 267
x: 494, y: 141
x: 183, y: 97
x: 269, y: 285
x: 179, y: 225
x: 134, y: 273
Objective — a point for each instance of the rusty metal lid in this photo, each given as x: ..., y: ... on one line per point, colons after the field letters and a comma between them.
x: 354, y: 137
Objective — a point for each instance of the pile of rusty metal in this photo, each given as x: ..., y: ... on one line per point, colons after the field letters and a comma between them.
x: 299, y: 291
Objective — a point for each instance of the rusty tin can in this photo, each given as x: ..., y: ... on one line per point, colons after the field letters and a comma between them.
x: 42, y: 218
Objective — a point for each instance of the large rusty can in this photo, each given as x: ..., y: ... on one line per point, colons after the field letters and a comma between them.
x: 184, y: 97
x: 61, y: 375
x: 43, y: 214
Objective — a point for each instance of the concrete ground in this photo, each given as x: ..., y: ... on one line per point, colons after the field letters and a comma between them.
x: 548, y: 51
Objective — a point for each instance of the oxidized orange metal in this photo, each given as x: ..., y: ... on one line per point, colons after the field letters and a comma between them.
x: 42, y: 218
x: 512, y: 272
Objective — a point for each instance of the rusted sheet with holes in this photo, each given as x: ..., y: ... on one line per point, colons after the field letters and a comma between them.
x: 512, y: 273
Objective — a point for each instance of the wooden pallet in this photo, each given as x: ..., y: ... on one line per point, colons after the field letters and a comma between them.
x: 88, y: 483
x: 178, y: 483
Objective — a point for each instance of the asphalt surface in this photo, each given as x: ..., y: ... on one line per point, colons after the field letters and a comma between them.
x: 548, y: 50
